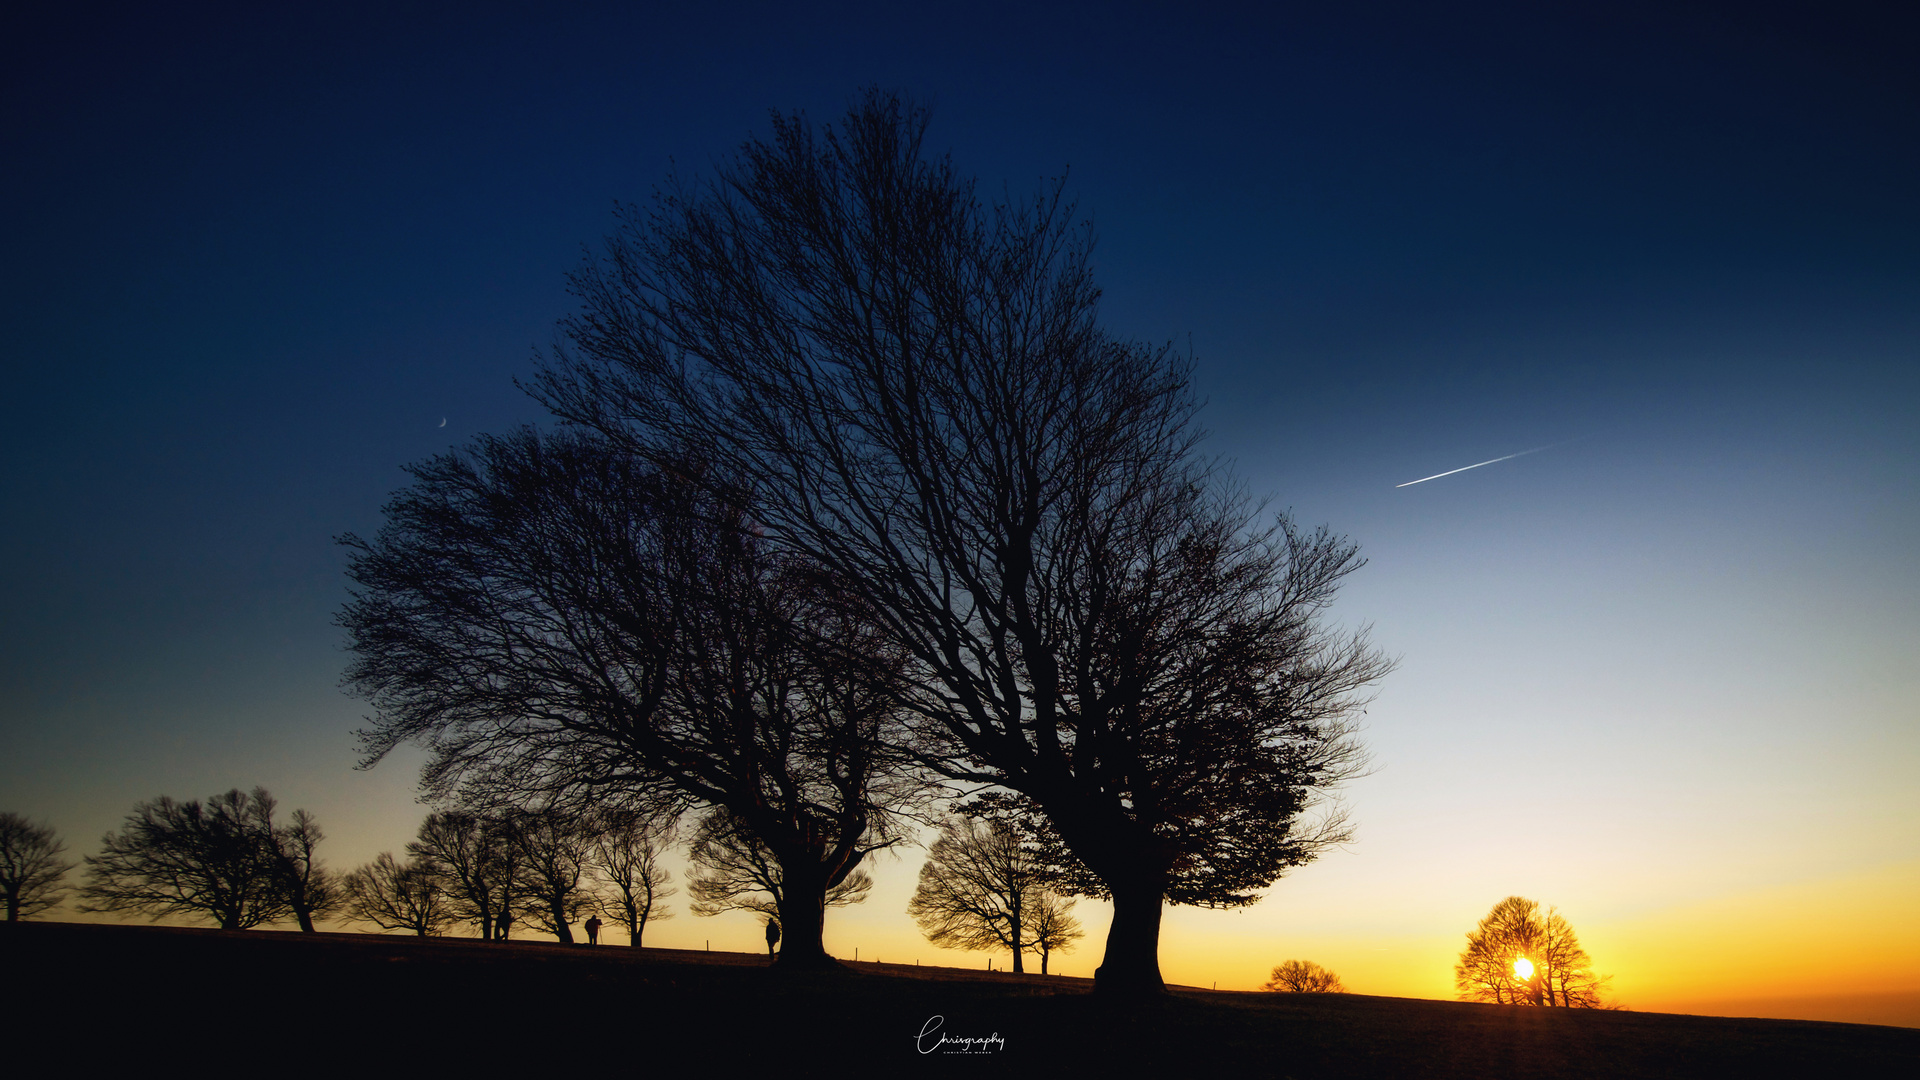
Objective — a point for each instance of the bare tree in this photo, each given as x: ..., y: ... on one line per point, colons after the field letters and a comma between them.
x: 1054, y: 929
x: 561, y: 622
x: 627, y: 846
x: 978, y: 888
x: 1304, y: 977
x: 311, y: 890
x: 1521, y: 955
x: 554, y: 852
x: 733, y: 871
x: 393, y: 895
x: 475, y: 859
x: 31, y: 869
x: 215, y: 861
x: 918, y: 387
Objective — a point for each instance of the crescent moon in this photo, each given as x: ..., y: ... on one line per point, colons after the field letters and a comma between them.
x: 443, y: 421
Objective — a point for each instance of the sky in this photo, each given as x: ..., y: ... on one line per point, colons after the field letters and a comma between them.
x: 1661, y: 675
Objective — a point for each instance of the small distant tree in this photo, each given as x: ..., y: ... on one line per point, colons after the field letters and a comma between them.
x: 395, y: 895
x: 1521, y: 955
x: 979, y: 888
x: 733, y: 871
x: 31, y: 869
x: 627, y: 845
x: 1054, y: 928
x: 215, y: 861
x: 1304, y: 977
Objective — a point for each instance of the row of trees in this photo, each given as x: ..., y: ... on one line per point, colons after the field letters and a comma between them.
x: 226, y: 859
x: 854, y: 501
x: 985, y: 884
x: 544, y: 867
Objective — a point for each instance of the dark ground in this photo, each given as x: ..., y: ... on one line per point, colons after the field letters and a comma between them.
x: 138, y: 996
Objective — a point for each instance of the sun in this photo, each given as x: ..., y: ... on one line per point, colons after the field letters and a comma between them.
x: 1523, y: 969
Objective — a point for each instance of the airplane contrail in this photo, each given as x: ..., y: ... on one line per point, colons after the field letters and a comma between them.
x: 1464, y: 468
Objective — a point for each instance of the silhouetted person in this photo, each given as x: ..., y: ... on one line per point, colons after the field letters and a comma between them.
x: 773, y: 936
x: 592, y: 926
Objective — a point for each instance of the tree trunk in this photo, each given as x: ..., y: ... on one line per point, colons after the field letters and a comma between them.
x: 1132, y: 962
x: 306, y: 920
x: 803, y: 915
x: 1014, y: 919
x: 560, y: 928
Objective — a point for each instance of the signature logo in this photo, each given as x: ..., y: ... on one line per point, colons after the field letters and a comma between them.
x: 932, y: 1040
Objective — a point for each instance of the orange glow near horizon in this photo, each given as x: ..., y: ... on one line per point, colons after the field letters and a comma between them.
x: 1832, y: 937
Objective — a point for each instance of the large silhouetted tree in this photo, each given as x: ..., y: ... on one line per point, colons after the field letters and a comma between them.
x: 31, y: 869
x: 215, y: 861
x: 1522, y: 955
x: 560, y: 621
x: 916, y: 384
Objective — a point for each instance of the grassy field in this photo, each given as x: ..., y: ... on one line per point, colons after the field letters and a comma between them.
x: 134, y: 996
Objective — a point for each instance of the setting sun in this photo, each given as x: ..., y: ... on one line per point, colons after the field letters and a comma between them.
x: 1523, y: 969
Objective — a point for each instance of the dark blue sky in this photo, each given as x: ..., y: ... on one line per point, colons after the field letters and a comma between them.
x: 253, y: 257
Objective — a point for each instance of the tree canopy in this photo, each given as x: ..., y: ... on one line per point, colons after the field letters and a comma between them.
x: 1304, y: 977
x: 559, y: 620
x: 395, y: 895
x: 1522, y: 955
x: 982, y: 888
x: 31, y: 869
x: 223, y: 860
x: 910, y: 389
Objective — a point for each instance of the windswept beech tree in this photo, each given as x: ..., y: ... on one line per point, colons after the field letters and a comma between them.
x: 476, y: 862
x: 917, y: 386
x: 395, y: 895
x: 1053, y: 926
x: 311, y: 891
x: 980, y: 888
x: 627, y: 845
x: 554, y: 848
x: 561, y: 622
x: 215, y: 860
x: 31, y: 868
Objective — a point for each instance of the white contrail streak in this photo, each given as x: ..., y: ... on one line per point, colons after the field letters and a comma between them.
x: 1464, y: 468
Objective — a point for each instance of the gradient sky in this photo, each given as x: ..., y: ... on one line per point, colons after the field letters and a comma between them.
x: 1662, y: 675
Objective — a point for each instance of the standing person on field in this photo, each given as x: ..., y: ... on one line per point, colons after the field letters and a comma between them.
x: 592, y: 926
x: 773, y: 935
